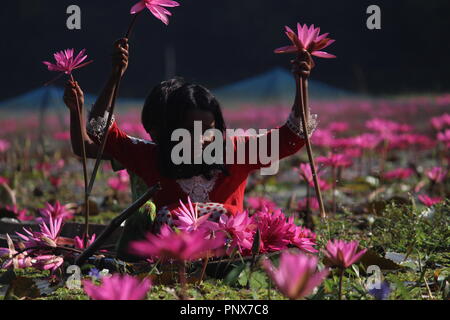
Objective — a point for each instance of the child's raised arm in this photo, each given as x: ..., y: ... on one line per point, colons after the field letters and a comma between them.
x: 282, y: 142
x: 119, y: 66
x: 71, y: 93
x: 133, y: 153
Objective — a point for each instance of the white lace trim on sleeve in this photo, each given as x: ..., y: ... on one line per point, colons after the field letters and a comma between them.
x: 295, y: 125
x: 139, y: 140
x: 96, y: 126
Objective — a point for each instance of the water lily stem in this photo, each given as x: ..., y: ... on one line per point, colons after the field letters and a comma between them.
x: 109, y: 121
x: 341, y: 277
x: 302, y: 86
x: 205, y: 264
x: 84, y: 162
x: 182, y: 275
x: 132, y: 24
x: 334, y: 190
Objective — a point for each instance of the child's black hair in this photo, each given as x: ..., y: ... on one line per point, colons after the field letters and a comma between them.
x: 154, y: 109
x: 164, y: 111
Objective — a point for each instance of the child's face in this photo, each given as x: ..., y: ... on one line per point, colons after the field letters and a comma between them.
x: 205, y: 117
x: 208, y: 122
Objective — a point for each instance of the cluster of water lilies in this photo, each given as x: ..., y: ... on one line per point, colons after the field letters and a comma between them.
x: 195, y: 238
x: 296, y: 276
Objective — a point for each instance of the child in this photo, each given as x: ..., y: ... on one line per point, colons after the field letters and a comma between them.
x: 137, y: 226
x: 216, y: 188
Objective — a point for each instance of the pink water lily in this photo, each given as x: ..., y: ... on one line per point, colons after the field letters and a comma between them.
x: 387, y: 127
x: 156, y: 7
x: 428, y: 201
x: 80, y: 243
x: 121, y: 182
x: 305, y: 172
x: 399, y: 174
x: 16, y: 260
x: 313, y: 204
x: 274, y: 230
x: 48, y: 235
x: 279, y: 232
x: 51, y: 167
x: 55, y: 211
x: 188, y: 218
x: 37, y: 248
x: 338, y: 127
x: 260, y: 203
x: 323, y: 138
x: 343, y: 254
x: 23, y: 260
x: 444, y: 137
x: 367, y: 141
x: 62, y: 136
x: 48, y: 262
x: 182, y: 246
x: 240, y: 228
x: 4, y: 145
x: 437, y: 174
x: 335, y: 161
x: 296, y: 276
x: 441, y: 122
x: 301, y: 237
x: 66, y: 61
x: 118, y: 287
x: 307, y: 38
x: 22, y: 215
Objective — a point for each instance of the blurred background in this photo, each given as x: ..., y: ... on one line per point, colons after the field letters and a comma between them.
x: 399, y: 72
x: 224, y: 43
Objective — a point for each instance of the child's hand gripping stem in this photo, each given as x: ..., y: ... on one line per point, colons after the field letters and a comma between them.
x: 302, y: 67
x: 107, y: 99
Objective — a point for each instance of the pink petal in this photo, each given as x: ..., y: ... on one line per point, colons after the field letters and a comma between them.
x: 323, y: 36
x: 289, y: 29
x: 138, y: 7
x: 80, y: 57
x: 167, y: 3
x: 83, y: 65
x: 286, y: 49
x: 322, y: 54
x: 159, y: 15
x: 300, y: 32
x: 163, y: 10
x: 310, y: 36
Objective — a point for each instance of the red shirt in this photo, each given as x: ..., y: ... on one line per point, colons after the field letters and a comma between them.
x: 141, y: 156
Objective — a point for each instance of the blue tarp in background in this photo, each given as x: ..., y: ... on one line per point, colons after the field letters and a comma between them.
x: 274, y: 86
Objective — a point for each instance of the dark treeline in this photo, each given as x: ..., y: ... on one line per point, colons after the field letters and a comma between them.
x: 218, y: 42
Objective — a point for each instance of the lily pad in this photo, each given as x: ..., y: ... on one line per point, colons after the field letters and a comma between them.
x: 371, y: 258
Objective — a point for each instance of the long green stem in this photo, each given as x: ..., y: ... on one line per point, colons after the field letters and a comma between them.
x: 334, y: 190
x: 84, y: 161
x: 341, y: 277
x: 182, y: 275
x: 302, y: 84
x: 205, y: 264
x: 109, y: 121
